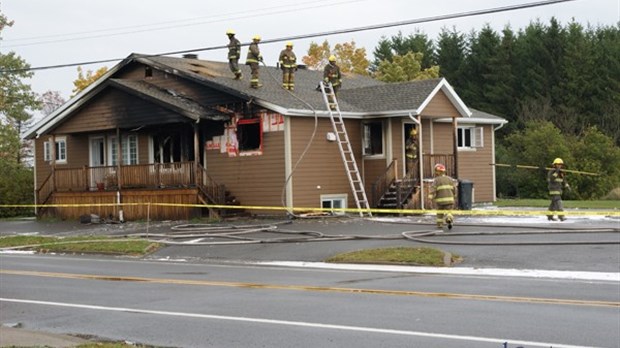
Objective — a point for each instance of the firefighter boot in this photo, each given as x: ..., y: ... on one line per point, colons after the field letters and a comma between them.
x: 550, y: 218
x: 449, y: 221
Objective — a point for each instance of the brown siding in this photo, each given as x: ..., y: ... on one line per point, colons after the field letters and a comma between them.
x: 440, y: 106
x: 91, y: 200
x: 322, y: 165
x: 474, y: 166
x: 253, y: 180
x: 443, y: 138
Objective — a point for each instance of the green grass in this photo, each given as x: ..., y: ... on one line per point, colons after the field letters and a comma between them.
x: 396, y: 255
x: 544, y: 203
x: 88, y: 244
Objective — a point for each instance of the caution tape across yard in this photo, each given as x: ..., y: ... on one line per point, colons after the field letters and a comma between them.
x: 487, y: 212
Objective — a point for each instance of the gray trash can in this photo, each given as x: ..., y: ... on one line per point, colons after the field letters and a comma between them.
x: 465, y: 194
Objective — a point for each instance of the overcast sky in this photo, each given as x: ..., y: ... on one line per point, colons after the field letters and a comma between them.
x: 72, y: 31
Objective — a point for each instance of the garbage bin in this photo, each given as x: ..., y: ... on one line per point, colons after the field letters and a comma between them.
x: 465, y: 194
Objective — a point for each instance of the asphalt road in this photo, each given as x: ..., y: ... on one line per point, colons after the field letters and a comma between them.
x: 198, y: 295
x: 234, y: 305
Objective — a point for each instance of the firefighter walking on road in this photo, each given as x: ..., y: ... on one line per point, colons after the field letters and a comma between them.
x: 288, y: 64
x: 234, y: 53
x: 442, y: 194
x: 555, y: 183
x: 253, y: 59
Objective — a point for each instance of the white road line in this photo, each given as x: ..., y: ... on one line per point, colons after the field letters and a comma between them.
x: 294, y: 323
x: 503, y: 272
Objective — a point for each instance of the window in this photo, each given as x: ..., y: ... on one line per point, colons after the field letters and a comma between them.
x: 470, y: 137
x: 172, y: 146
x: 249, y: 135
x: 61, y: 150
x: 334, y: 202
x: 148, y: 72
x: 129, y: 150
x: 373, y: 138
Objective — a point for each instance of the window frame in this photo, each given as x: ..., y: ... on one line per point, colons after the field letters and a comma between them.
x: 61, y: 150
x: 367, y: 138
x: 243, y: 123
x: 476, y: 137
x: 331, y: 198
x: 132, y: 140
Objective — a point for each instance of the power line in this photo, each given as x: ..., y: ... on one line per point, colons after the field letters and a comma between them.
x: 326, y: 33
x: 255, y: 13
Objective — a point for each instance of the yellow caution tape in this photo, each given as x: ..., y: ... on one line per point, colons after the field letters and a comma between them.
x: 499, y: 212
x: 535, y: 167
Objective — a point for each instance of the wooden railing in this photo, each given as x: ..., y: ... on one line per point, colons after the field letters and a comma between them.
x: 431, y: 160
x: 215, y: 192
x: 383, y: 182
x: 156, y: 175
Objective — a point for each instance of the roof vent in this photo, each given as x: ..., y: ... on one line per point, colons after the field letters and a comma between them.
x: 190, y: 56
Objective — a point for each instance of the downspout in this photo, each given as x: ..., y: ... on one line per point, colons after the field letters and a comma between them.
x: 455, y: 147
x: 493, y: 156
x: 119, y: 160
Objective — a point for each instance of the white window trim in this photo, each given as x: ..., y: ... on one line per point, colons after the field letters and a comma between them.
x: 336, y: 197
x: 112, y: 148
x: 47, y: 157
x: 477, y: 138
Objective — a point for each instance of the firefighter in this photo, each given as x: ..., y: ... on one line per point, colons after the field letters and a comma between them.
x: 331, y: 73
x: 411, y: 152
x: 288, y: 64
x: 442, y: 194
x: 555, y: 183
x: 253, y: 59
x: 234, y: 53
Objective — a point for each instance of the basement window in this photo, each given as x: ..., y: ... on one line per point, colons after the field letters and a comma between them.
x: 334, y: 202
x: 250, y: 135
x: 373, y: 138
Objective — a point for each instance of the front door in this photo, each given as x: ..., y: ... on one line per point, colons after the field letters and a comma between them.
x: 97, y: 159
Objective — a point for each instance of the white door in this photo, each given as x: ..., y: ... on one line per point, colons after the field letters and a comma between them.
x: 97, y: 159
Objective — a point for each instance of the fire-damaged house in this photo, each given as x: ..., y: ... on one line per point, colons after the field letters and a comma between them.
x: 166, y: 136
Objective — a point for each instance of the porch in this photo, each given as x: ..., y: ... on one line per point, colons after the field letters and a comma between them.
x: 100, y: 189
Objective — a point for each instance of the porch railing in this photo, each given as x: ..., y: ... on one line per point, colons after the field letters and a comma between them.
x: 431, y: 160
x: 383, y: 182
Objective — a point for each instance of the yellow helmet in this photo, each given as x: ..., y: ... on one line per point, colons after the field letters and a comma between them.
x: 558, y: 161
x: 413, y: 132
x: 230, y: 32
x: 332, y: 58
x: 256, y: 38
x: 289, y: 44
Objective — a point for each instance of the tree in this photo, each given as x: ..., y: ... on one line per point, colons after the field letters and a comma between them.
x: 50, y: 101
x: 350, y: 59
x: 450, y: 56
x: 85, y: 79
x: 405, y: 68
x: 16, y: 100
x: 399, y: 45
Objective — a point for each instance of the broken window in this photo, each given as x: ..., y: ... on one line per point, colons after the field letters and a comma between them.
x: 148, y: 72
x: 249, y: 135
x: 373, y: 138
x: 171, y: 147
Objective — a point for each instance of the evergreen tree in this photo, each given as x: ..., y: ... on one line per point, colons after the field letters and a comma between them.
x: 401, y: 45
x: 450, y: 56
x: 484, y: 48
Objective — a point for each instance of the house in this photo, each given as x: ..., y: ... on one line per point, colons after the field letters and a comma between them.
x: 163, y: 130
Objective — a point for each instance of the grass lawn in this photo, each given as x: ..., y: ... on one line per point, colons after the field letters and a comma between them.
x: 88, y: 244
x: 544, y: 203
x: 396, y: 255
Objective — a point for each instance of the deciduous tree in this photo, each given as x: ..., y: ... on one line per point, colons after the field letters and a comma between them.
x: 86, y: 78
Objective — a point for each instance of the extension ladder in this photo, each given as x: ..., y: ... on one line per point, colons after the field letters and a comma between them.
x: 348, y: 158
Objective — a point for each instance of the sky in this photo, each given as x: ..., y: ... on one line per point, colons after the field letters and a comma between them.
x: 47, y: 33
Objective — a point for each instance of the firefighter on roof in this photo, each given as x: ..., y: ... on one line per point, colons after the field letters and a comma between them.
x: 442, y: 194
x: 234, y: 53
x: 253, y: 59
x: 288, y: 64
x: 331, y: 73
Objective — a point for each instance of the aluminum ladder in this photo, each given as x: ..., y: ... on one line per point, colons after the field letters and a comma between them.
x: 348, y: 158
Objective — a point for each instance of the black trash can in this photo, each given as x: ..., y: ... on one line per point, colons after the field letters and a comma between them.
x: 465, y: 194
